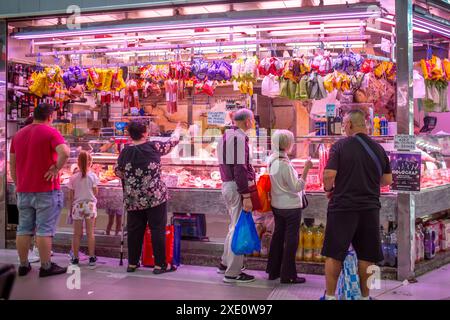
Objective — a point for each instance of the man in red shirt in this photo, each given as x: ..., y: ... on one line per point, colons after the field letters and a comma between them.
x: 38, y: 152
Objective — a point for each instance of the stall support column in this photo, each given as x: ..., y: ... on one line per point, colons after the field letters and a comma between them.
x: 3, y: 143
x: 405, y: 124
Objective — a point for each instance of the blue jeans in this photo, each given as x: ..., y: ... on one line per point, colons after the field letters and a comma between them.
x: 39, y: 212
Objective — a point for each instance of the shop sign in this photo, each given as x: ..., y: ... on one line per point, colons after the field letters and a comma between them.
x: 405, y: 142
x: 216, y: 118
x: 406, y: 171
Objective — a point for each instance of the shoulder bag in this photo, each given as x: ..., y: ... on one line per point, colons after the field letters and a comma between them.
x: 372, y: 154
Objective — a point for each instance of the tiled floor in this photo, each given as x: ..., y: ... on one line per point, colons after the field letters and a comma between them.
x: 110, y: 281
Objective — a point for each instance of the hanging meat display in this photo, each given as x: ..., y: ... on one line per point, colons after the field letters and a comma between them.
x: 171, y: 87
x: 324, y: 154
x: 131, y: 100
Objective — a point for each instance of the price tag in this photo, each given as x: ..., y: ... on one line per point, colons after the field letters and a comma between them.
x: 216, y: 118
x: 331, y: 110
x: 405, y: 142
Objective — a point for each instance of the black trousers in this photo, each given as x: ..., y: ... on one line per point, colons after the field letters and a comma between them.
x: 284, y: 244
x: 156, y: 218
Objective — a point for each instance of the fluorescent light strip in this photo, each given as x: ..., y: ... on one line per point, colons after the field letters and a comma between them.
x: 313, y: 31
x: 419, y: 29
x: 420, y: 21
x: 331, y: 25
x: 387, y: 33
x: 419, y: 26
x: 387, y: 21
x: 122, y: 39
x: 198, y: 34
x: 99, y: 40
x: 339, y: 43
x: 434, y: 28
x: 222, y: 23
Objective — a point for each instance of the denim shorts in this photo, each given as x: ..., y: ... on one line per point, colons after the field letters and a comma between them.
x: 39, y: 212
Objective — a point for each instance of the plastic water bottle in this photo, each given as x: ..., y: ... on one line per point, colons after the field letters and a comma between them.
x: 393, y: 249
x: 317, y: 124
x: 376, y: 126
x: 430, y: 250
x: 323, y: 126
x: 421, y: 243
x: 383, y: 245
x: 384, y: 125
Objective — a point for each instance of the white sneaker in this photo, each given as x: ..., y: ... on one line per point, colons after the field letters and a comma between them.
x: 36, y: 251
x: 32, y: 257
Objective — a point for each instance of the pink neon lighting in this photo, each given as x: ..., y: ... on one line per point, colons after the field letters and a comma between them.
x: 200, y: 24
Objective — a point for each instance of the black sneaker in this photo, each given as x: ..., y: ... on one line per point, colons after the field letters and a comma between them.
x: 74, y: 261
x: 293, y: 281
x: 92, y: 261
x: 221, y: 268
x: 23, y: 271
x: 53, y: 271
x: 242, y: 278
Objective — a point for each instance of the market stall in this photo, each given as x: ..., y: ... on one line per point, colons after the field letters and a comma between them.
x: 297, y: 67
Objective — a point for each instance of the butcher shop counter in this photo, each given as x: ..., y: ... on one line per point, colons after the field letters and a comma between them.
x: 210, y: 201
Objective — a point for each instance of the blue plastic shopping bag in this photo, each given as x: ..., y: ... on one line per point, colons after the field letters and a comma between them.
x: 348, y: 283
x: 245, y: 238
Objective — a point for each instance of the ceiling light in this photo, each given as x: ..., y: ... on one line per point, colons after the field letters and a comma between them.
x: 419, y: 26
x: 94, y: 41
x: 335, y: 44
x: 192, y: 24
x: 314, y: 31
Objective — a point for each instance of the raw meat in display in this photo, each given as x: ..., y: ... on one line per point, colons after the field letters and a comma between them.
x: 188, y: 180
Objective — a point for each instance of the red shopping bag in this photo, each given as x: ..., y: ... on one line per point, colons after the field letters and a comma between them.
x: 148, y: 259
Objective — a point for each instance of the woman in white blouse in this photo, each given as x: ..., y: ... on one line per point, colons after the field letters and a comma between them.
x: 286, y: 199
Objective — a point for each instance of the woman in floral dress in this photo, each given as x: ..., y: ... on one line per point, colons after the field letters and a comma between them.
x: 145, y: 194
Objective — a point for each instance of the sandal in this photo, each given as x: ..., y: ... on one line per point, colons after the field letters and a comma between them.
x: 164, y: 270
x: 132, y: 269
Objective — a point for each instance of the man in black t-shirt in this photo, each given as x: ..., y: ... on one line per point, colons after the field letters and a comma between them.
x: 356, y: 169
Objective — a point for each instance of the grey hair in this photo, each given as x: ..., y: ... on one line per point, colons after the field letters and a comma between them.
x: 282, y: 140
x: 243, y: 115
x: 357, y: 117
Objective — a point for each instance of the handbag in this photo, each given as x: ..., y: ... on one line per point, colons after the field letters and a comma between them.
x: 245, y: 237
x: 304, y: 201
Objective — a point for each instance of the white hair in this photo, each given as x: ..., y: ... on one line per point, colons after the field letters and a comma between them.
x: 282, y: 140
x: 243, y: 114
